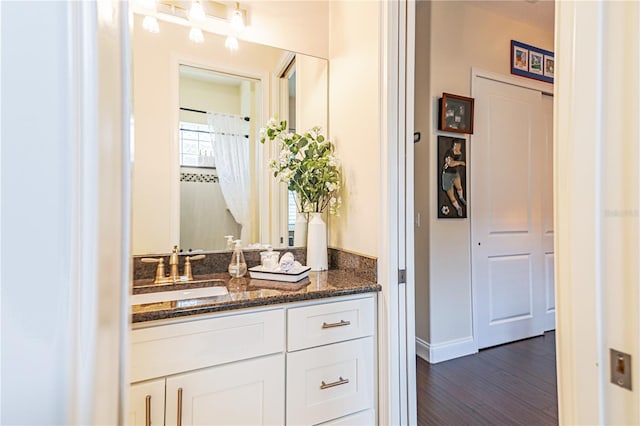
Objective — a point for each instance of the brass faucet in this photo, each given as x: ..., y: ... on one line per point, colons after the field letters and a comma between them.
x: 174, y: 275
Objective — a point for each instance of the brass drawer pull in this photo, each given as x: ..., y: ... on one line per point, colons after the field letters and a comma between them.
x: 342, y: 323
x: 179, y: 406
x: 147, y: 411
x: 340, y: 381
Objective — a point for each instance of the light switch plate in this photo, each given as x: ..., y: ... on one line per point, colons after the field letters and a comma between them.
x: 620, y: 368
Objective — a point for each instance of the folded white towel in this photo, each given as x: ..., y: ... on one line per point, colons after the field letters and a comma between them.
x: 287, y: 262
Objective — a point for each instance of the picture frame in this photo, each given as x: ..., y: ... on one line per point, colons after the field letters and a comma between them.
x: 532, y: 62
x: 549, y: 66
x: 452, y: 178
x: 456, y: 113
x: 536, y: 63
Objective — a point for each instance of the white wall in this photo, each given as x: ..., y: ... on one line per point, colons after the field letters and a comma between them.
x: 155, y: 92
x: 354, y: 122
x: 461, y: 36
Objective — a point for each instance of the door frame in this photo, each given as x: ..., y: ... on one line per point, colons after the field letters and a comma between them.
x: 396, y: 313
x: 543, y: 88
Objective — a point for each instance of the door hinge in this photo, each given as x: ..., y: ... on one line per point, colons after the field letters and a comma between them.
x: 402, y: 276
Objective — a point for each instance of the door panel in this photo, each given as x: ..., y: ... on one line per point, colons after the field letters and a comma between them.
x: 510, y: 288
x: 508, y: 151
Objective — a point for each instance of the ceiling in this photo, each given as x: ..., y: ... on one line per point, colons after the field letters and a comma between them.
x: 539, y: 13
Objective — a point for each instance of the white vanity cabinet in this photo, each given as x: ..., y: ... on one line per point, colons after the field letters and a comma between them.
x: 241, y: 393
x: 146, y: 403
x: 243, y: 367
x: 331, y: 361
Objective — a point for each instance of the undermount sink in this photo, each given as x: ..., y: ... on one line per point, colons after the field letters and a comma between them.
x: 185, y: 294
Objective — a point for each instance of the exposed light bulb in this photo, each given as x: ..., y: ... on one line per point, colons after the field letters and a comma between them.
x: 196, y: 35
x: 150, y: 23
x: 237, y: 20
x: 196, y: 13
x: 231, y: 43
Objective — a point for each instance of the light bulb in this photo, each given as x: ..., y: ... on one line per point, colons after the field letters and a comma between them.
x: 196, y: 35
x: 196, y: 13
x: 231, y: 43
x: 237, y: 21
x: 150, y: 23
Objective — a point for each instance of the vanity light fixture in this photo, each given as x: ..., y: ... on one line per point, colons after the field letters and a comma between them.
x: 150, y: 23
x: 196, y: 35
x: 196, y: 13
x: 231, y: 43
x: 237, y: 20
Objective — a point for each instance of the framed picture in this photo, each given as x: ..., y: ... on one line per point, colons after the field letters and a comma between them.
x: 532, y: 62
x: 549, y: 65
x: 520, y: 58
x: 536, y: 61
x: 456, y: 113
x: 452, y: 178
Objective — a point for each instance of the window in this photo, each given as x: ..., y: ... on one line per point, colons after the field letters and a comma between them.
x: 196, y: 148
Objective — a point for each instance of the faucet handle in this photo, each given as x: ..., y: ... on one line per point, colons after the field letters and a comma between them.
x: 159, y: 270
x: 187, y: 265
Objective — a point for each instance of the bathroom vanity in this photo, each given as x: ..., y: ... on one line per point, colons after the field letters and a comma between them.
x: 265, y: 353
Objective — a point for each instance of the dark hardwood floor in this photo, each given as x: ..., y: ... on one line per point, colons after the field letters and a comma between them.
x: 512, y: 384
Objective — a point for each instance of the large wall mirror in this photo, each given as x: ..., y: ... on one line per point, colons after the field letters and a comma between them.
x: 200, y: 172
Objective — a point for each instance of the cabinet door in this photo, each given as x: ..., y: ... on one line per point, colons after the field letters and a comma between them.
x: 241, y: 393
x: 146, y: 403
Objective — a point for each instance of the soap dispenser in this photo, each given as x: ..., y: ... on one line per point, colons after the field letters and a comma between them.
x: 237, y: 266
x: 229, y: 242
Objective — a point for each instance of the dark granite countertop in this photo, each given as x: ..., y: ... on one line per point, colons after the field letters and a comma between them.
x: 246, y: 293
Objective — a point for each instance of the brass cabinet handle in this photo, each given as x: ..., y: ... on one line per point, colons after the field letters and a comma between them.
x: 342, y: 323
x: 179, y: 406
x: 339, y: 382
x: 147, y: 411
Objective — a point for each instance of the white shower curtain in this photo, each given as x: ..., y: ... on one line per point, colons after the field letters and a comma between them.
x: 231, y: 156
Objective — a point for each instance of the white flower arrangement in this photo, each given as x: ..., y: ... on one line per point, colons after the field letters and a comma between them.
x: 307, y: 165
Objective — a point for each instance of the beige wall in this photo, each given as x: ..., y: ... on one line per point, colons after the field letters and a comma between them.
x: 207, y: 96
x: 155, y: 186
x: 354, y: 122
x: 421, y: 170
x: 461, y: 36
x: 297, y: 25
x: 312, y: 87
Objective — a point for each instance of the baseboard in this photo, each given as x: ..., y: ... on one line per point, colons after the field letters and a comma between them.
x: 438, y: 352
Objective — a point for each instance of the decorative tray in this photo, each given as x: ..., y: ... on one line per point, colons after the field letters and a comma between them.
x: 260, y: 274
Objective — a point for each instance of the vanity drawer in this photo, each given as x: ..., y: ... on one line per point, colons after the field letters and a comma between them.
x: 330, y: 381
x: 359, y: 419
x: 322, y: 324
x: 174, y: 348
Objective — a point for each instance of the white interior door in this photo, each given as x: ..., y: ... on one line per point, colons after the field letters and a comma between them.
x: 508, y: 179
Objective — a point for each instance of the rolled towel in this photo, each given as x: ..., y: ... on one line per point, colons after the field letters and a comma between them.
x: 287, y: 261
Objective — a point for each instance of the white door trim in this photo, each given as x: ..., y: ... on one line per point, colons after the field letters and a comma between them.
x: 544, y: 88
x: 397, y: 385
